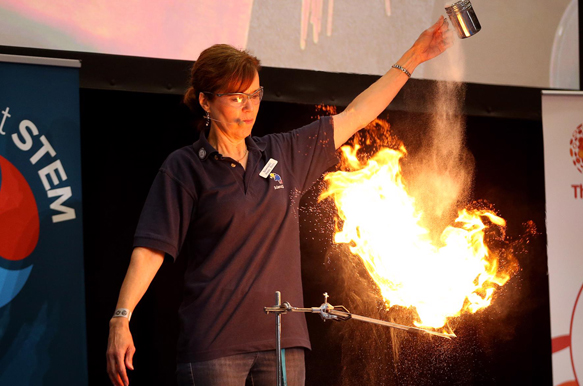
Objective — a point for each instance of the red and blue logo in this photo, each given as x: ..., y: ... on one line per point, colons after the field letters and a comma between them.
x: 276, y: 177
x: 19, y: 230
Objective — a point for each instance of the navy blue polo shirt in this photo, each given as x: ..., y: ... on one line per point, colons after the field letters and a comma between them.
x: 240, y: 232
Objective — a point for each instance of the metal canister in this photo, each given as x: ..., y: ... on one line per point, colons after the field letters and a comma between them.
x: 462, y: 16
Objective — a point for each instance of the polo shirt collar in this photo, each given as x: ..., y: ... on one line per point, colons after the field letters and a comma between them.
x: 254, y: 143
x: 204, y: 149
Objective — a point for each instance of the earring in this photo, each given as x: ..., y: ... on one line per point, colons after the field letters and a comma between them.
x: 208, y: 119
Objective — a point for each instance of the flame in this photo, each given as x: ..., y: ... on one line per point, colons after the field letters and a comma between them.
x: 382, y: 225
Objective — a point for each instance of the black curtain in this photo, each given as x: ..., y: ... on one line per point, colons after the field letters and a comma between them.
x: 127, y: 135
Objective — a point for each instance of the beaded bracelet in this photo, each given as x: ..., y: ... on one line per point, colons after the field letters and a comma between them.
x: 402, y: 69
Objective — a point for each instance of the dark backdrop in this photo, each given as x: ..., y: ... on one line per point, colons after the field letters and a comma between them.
x: 127, y: 135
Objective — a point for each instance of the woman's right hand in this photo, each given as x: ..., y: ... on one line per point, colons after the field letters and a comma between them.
x: 144, y: 264
x: 120, y: 351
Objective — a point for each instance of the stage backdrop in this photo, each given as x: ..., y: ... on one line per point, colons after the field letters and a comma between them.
x: 522, y: 43
x: 563, y: 144
x: 42, y: 297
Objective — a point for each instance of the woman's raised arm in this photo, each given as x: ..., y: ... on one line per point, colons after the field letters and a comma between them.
x: 372, y: 101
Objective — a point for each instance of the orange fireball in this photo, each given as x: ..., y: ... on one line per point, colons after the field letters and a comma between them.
x: 381, y: 223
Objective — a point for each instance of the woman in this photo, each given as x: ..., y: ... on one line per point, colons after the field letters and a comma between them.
x: 232, y: 200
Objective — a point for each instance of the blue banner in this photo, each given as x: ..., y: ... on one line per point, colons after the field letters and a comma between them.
x: 42, y: 296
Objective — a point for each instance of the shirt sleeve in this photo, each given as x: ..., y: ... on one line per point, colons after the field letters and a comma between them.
x: 166, y: 215
x: 311, y: 151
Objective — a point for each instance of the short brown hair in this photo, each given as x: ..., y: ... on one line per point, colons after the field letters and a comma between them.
x: 220, y: 68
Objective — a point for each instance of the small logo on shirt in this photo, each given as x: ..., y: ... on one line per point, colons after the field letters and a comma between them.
x: 277, y: 178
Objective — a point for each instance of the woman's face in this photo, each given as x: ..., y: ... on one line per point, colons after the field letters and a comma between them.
x: 232, y: 117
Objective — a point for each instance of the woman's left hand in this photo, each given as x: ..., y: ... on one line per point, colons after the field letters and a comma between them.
x: 433, y: 41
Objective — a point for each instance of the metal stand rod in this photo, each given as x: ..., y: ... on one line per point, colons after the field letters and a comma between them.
x: 278, y: 338
x: 340, y: 313
x: 390, y: 324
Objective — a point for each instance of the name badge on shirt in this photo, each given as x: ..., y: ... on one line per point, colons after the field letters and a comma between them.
x: 268, y: 168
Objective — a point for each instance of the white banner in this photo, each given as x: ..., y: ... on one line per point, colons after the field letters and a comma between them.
x: 563, y: 148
